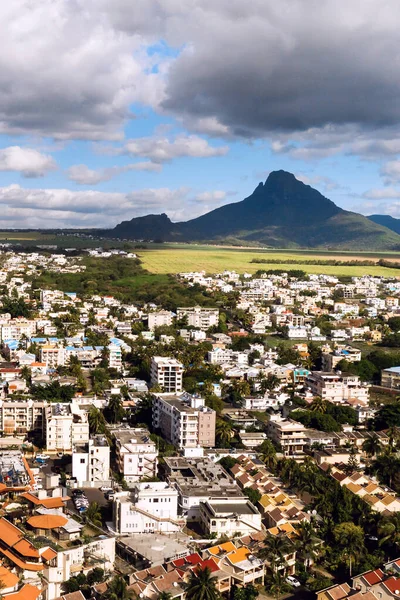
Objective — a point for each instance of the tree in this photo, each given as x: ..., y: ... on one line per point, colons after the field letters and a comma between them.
x: 275, y: 548
x: 319, y: 405
x: 275, y: 583
x: 201, y: 585
x: 93, y: 514
x: 387, y: 416
x: 97, y: 423
x: 165, y: 596
x: 350, y: 539
x: 389, y: 530
x: 267, y: 453
x: 223, y: 432
x: 117, y: 589
x: 253, y: 495
x: 115, y: 411
x: 352, y: 465
x: 372, y: 445
x: 306, y: 542
x: 95, y: 576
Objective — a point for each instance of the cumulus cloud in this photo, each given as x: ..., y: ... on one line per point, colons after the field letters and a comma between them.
x: 65, y: 71
x: 379, y: 194
x: 391, y: 172
x: 162, y: 149
x: 44, y: 208
x: 28, y: 162
x: 82, y: 175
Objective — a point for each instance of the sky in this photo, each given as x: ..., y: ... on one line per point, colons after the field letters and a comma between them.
x: 116, y: 109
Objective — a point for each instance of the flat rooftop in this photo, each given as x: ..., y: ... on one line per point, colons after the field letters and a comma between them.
x: 229, y: 508
x: 13, y: 469
x: 156, y: 548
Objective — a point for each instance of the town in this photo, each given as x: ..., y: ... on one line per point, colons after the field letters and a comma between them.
x: 240, y: 441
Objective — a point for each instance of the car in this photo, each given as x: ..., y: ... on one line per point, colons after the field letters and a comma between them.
x: 293, y: 581
x: 60, y: 454
x: 78, y: 493
x: 106, y: 488
x: 37, y: 486
x: 42, y: 456
x: 109, y: 495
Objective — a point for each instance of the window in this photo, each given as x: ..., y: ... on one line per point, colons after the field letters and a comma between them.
x: 155, y: 499
x: 82, y: 461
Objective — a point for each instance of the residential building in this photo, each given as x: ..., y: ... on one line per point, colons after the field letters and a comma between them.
x: 289, y: 434
x: 199, y: 317
x: 166, y: 373
x: 159, y: 318
x: 150, y: 507
x: 338, y: 387
x: 21, y: 416
x: 390, y: 378
x: 66, y: 426
x: 136, y: 453
x: 224, y: 516
x: 184, y: 420
x: 91, y: 462
x: 52, y: 355
x: 331, y: 359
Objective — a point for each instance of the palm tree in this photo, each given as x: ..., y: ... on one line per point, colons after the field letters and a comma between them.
x: 96, y: 420
x: 350, y: 538
x: 372, y: 445
x: 267, y: 453
x: 319, y: 405
x: 306, y: 542
x: 117, y: 589
x: 389, y: 530
x: 394, y: 435
x: 275, y: 583
x: 93, y: 514
x: 223, y: 431
x: 115, y: 409
x: 165, y: 596
x: 276, y: 547
x: 201, y: 586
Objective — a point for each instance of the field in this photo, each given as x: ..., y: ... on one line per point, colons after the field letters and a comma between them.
x: 170, y: 259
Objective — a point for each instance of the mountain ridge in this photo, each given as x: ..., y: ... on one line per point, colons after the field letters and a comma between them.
x: 387, y: 221
x: 282, y: 212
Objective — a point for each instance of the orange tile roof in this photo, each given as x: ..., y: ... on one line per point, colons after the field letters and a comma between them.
x: 26, y: 549
x: 49, y: 554
x: 227, y: 547
x: 9, y: 534
x: 21, y: 563
x: 47, y: 521
x: 7, y: 578
x: 55, y: 502
x: 240, y: 554
x: 28, y: 592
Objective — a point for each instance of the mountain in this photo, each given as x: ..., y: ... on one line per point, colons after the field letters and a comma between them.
x: 282, y: 212
x: 386, y: 221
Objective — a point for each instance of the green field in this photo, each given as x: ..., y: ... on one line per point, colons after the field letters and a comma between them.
x: 170, y: 259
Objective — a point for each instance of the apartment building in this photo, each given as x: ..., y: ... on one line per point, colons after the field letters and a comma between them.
x: 115, y: 357
x: 21, y: 416
x: 159, y: 318
x: 337, y: 387
x: 16, y: 328
x: 136, y: 453
x: 331, y: 359
x: 52, y: 355
x: 184, y: 420
x: 66, y: 426
x: 390, y: 378
x: 198, y: 479
x: 223, y: 516
x: 167, y: 373
x: 91, y: 461
x: 150, y: 507
x: 199, y: 317
x: 289, y: 434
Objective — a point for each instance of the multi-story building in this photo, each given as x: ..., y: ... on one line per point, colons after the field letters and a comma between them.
x: 66, y: 426
x: 184, y: 420
x: 223, y: 516
x: 289, y: 434
x: 136, y: 453
x: 337, y: 387
x: 331, y: 359
x: 199, y: 317
x: 148, y: 508
x: 21, y: 416
x: 91, y: 461
x: 390, y: 378
x: 167, y: 373
x: 115, y: 357
x: 16, y: 328
x: 159, y: 319
x: 52, y: 355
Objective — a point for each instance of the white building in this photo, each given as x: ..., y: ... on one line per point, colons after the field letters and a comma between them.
x: 16, y: 328
x: 199, y: 317
x: 184, y: 420
x: 151, y: 507
x: 337, y: 387
x: 115, y: 357
x: 21, y: 416
x: 66, y: 426
x: 289, y: 434
x: 52, y: 355
x: 159, y: 319
x: 91, y: 462
x: 167, y: 373
x: 225, y: 516
x: 136, y: 453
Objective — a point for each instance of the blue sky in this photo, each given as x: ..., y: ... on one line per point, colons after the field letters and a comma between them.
x: 115, y: 110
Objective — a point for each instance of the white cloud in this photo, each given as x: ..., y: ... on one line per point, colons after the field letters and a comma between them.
x: 84, y: 176
x: 44, y: 208
x: 384, y: 193
x: 162, y: 149
x: 28, y: 162
x: 391, y: 172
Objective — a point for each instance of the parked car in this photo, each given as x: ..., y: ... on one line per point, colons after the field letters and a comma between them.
x: 293, y: 581
x: 109, y: 495
x: 37, y: 486
x: 42, y: 456
x: 106, y: 488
